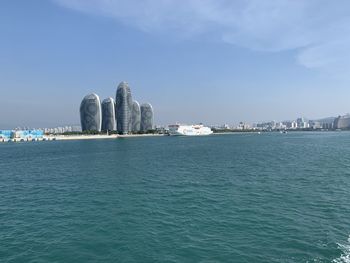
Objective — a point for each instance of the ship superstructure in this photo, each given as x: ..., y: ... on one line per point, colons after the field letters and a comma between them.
x: 189, y: 130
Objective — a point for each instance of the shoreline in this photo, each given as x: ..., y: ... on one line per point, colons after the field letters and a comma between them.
x: 99, y: 136
x: 235, y: 132
x: 84, y: 137
x: 116, y: 136
x: 80, y: 137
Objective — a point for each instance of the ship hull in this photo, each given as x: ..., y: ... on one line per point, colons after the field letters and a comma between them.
x: 189, y: 130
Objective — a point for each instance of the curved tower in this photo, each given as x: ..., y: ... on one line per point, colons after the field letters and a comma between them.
x: 124, y: 105
x: 108, y: 115
x: 135, y: 116
x: 146, y: 117
x: 342, y: 122
x: 90, y: 113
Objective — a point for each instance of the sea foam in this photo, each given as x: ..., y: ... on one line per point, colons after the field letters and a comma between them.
x: 345, y: 256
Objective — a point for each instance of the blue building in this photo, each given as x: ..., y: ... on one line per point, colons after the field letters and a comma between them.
x: 5, y: 135
x: 21, y: 135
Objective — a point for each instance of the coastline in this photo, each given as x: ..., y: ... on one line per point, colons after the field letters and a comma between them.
x: 80, y: 137
x: 235, y: 132
x: 140, y: 135
x: 116, y: 136
x: 99, y: 136
x: 84, y: 137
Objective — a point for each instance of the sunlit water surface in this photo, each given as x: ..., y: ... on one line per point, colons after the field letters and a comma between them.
x: 222, y: 198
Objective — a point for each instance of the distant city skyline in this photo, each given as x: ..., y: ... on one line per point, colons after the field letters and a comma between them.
x: 300, y: 122
x: 212, y: 61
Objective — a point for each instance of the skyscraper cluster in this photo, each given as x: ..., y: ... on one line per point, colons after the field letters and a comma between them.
x: 123, y: 114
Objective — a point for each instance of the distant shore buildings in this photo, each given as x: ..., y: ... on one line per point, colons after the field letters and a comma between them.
x: 21, y: 135
x: 331, y: 123
x: 123, y: 114
x: 62, y: 129
x: 342, y: 122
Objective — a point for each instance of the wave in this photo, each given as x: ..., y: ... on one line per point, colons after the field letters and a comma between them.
x: 345, y: 256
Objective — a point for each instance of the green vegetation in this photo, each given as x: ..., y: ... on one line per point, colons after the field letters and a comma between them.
x: 83, y: 133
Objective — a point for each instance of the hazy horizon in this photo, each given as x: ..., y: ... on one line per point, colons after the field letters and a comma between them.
x: 212, y: 61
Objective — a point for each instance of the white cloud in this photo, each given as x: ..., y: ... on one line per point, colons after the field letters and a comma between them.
x: 317, y: 29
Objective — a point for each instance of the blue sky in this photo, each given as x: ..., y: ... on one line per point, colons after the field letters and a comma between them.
x: 211, y: 61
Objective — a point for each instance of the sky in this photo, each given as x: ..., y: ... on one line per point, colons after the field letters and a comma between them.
x: 209, y: 61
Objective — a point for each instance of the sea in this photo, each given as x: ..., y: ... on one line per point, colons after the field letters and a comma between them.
x: 268, y: 197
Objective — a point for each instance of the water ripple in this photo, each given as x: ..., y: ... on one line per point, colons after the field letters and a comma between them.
x: 233, y: 198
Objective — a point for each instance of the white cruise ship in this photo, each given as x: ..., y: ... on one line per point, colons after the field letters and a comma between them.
x: 189, y: 130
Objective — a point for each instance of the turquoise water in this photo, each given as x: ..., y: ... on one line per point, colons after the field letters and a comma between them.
x: 223, y: 198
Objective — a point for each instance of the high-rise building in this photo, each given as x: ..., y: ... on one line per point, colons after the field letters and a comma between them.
x: 123, y: 114
x: 342, y: 122
x: 108, y: 115
x: 135, y: 117
x: 124, y: 106
x: 146, y: 117
x: 90, y: 113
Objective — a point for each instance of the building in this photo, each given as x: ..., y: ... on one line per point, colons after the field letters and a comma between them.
x: 243, y: 126
x: 135, y: 117
x: 90, y: 113
x: 146, y: 117
x: 328, y: 125
x: 342, y: 122
x: 315, y: 125
x: 122, y: 114
x: 64, y: 129
x: 21, y: 135
x: 109, y: 122
x: 124, y: 108
x: 302, y: 123
x: 5, y: 135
